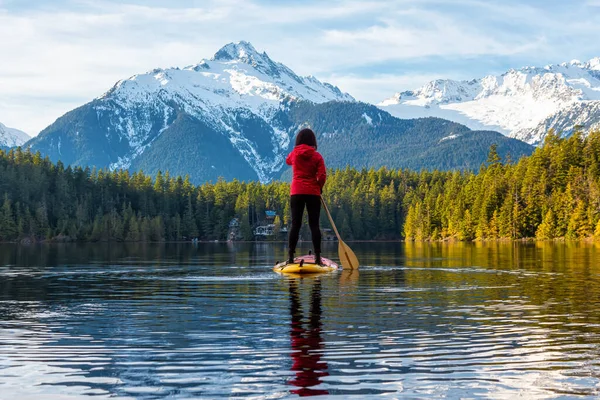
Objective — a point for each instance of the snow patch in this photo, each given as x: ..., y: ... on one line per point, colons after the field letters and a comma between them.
x: 449, y: 137
x: 368, y: 119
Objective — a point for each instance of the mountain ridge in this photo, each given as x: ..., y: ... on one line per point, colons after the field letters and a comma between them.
x: 520, y: 103
x: 235, y: 115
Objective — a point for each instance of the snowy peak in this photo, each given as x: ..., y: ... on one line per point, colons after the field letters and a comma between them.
x: 238, y: 84
x: 566, y: 80
x: 237, y: 76
x: 10, y: 137
x: 244, y: 53
x: 240, y: 51
x: 593, y: 64
x: 518, y: 103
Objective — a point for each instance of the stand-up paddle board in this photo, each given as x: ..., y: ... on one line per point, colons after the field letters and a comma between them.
x: 305, y: 265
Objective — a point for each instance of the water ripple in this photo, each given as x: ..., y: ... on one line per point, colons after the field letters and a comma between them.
x: 193, y: 328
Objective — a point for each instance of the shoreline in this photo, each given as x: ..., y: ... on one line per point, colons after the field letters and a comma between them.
x: 24, y: 242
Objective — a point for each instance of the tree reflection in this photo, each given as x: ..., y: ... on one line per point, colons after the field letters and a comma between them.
x: 306, y: 341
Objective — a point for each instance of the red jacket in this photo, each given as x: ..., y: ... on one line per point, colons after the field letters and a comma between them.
x: 308, y: 168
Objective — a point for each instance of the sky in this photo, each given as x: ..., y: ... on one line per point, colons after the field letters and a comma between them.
x: 57, y: 55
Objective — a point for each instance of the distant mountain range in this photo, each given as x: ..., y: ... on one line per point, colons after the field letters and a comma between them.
x: 522, y: 104
x: 10, y: 137
x: 236, y: 116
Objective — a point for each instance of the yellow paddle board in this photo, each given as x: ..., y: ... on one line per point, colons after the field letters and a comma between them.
x: 305, y: 265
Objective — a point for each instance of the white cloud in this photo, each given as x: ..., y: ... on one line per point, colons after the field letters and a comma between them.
x: 414, y: 33
x: 78, y: 57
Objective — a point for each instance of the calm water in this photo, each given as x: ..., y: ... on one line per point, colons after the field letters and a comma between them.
x: 213, y: 321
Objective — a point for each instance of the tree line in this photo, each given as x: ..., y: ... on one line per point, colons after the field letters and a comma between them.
x: 554, y: 193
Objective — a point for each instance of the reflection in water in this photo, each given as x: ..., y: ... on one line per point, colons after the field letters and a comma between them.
x: 422, y: 320
x: 306, y: 341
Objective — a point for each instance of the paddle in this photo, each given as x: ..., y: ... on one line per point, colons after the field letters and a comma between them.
x: 347, y: 257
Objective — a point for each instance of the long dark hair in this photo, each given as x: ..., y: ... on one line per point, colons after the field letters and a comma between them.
x: 306, y: 136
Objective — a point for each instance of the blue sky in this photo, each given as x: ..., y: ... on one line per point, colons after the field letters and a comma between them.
x: 61, y: 54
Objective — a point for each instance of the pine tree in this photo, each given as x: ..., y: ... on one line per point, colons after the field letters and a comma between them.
x: 546, y: 230
x: 410, y: 228
x: 189, y: 227
x: 481, y: 232
x: 494, y: 228
x: 467, y: 231
x: 493, y: 157
x: 597, y: 231
x: 8, y: 226
x: 96, y: 234
x: 578, y: 223
x: 133, y: 234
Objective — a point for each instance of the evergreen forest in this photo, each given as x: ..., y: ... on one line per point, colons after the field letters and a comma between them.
x: 554, y: 193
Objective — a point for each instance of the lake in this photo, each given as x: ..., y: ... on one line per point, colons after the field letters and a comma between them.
x: 419, y: 320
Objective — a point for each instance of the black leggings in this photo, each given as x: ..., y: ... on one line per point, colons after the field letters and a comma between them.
x: 313, y: 206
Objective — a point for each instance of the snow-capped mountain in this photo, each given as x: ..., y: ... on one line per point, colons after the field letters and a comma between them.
x: 10, y: 137
x: 235, y: 116
x: 237, y: 87
x: 522, y: 104
x: 237, y: 83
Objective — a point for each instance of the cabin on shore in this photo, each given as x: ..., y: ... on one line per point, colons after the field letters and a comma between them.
x: 234, y: 233
x: 328, y: 234
x: 268, y: 230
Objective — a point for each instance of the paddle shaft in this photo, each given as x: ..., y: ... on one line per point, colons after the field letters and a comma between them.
x: 343, y: 247
x: 337, y: 234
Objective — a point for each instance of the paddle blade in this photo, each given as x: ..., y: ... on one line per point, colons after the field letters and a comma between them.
x: 347, y: 257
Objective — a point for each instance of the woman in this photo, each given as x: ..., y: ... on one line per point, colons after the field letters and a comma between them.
x: 309, y: 176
